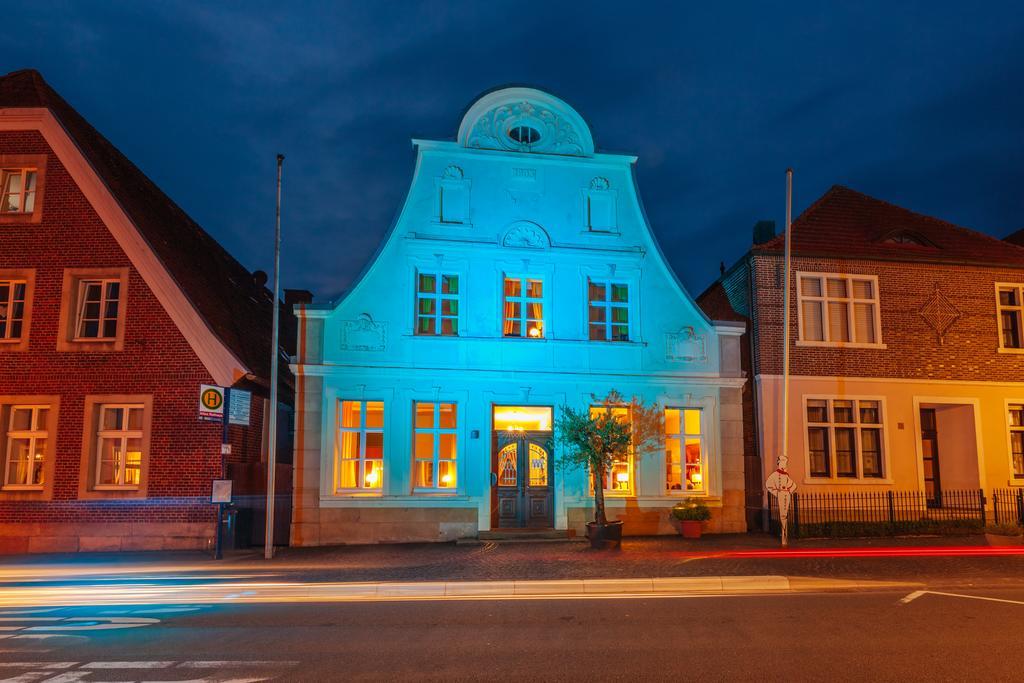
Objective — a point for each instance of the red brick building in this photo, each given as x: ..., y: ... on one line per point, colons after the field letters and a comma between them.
x: 907, y: 356
x: 114, y: 307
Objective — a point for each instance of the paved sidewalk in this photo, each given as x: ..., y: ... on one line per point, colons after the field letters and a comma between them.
x: 947, y: 561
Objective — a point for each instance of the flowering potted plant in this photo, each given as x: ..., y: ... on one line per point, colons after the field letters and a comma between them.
x: 596, y: 438
x: 690, y: 514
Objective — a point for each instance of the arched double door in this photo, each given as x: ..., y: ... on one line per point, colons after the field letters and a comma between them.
x: 523, y: 482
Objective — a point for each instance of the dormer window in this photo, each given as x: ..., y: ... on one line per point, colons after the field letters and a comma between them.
x: 524, y: 134
x: 907, y: 238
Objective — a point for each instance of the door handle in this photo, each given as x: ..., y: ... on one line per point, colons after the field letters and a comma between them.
x: 494, y: 478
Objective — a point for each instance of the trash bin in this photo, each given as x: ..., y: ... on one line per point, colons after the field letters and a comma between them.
x: 228, y: 526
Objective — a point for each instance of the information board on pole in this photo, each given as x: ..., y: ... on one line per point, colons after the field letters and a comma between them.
x: 211, y: 402
x: 221, y: 492
x: 238, y: 409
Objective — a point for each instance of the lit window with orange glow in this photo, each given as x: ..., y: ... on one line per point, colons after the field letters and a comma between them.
x: 119, y: 446
x: 684, y: 450
x: 359, y: 447
x: 1017, y: 439
x: 26, y: 446
x: 523, y: 310
x: 618, y: 480
x: 435, y: 446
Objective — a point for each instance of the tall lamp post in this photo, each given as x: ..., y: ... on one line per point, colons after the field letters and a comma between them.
x: 268, y: 547
x: 779, y: 483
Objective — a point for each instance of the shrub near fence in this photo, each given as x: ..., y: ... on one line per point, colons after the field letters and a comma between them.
x: 862, y: 513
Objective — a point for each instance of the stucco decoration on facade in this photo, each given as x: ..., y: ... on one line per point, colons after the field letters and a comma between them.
x: 363, y: 334
x: 561, y: 129
x: 940, y: 313
x: 599, y: 183
x: 526, y: 235
x: 687, y: 345
x: 453, y: 172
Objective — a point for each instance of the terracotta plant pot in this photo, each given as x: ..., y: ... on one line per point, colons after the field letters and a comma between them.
x: 690, y: 528
x: 605, y: 536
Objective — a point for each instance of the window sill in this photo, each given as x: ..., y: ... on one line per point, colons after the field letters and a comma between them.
x: 853, y: 481
x: 7, y: 218
x: 610, y: 232
x: 520, y: 340
x: 23, y: 488
x: 112, y: 487
x: 839, y: 345
x: 90, y: 345
x: 447, y: 224
x: 1004, y: 349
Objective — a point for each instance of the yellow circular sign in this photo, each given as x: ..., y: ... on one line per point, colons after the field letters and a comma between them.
x: 212, y: 399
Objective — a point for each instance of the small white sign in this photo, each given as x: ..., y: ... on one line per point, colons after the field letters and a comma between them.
x: 211, y: 402
x: 221, y: 491
x: 239, y: 406
x: 225, y: 449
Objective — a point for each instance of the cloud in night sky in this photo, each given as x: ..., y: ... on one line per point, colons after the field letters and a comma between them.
x: 918, y: 104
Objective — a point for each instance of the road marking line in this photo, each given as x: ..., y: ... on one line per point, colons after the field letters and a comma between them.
x: 912, y: 596
x: 127, y: 665
x: 38, y: 665
x: 28, y: 611
x: 977, y: 597
x: 236, y: 663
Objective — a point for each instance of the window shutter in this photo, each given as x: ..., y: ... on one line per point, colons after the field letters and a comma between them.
x: 864, y: 323
x: 838, y: 322
x: 813, y: 323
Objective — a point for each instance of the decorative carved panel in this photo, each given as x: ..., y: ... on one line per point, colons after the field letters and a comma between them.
x: 526, y: 235
x: 557, y: 135
x: 363, y: 334
x: 687, y: 346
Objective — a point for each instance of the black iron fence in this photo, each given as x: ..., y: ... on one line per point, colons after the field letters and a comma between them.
x: 1008, y: 506
x: 889, y: 512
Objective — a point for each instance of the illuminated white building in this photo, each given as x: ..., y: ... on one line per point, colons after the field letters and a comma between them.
x: 520, y: 275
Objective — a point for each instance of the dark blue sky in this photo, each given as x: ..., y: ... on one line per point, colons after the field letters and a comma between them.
x: 919, y: 104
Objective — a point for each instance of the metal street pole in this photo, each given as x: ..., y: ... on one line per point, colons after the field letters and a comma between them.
x: 268, y: 547
x: 218, y: 549
x: 779, y: 483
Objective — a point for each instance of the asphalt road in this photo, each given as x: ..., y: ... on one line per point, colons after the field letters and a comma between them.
x: 876, y: 636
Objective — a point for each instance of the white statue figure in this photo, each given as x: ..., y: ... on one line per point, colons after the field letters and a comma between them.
x: 782, y: 486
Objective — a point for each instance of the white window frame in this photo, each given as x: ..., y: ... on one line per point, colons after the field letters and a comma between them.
x: 524, y: 301
x: 608, y: 305
x: 33, y: 434
x: 80, y: 320
x: 438, y: 298
x: 681, y: 437
x: 1014, y: 479
x: 124, y: 434
x: 436, y: 431
x: 857, y: 426
x: 24, y: 172
x: 1019, y: 309
x: 362, y: 430
x: 850, y: 300
x: 9, y: 303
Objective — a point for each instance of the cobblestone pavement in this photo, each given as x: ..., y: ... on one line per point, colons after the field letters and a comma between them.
x: 655, y: 556
x: 889, y: 559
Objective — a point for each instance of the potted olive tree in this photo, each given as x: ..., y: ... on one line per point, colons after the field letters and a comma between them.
x: 594, y: 439
x: 690, y: 514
